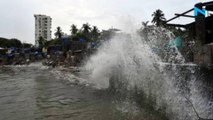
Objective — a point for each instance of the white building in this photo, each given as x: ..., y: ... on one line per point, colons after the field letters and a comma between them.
x: 43, y: 25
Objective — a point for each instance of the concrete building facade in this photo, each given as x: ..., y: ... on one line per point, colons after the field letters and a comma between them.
x: 43, y: 25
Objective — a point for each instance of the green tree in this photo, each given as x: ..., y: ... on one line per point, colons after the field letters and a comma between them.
x: 158, y: 18
x: 4, y: 42
x: 53, y: 42
x: 42, y: 42
x: 26, y: 45
x: 95, y: 33
x: 86, y: 29
x: 74, y: 29
x: 145, y: 24
x: 58, y: 33
x: 144, y: 30
x: 15, y: 43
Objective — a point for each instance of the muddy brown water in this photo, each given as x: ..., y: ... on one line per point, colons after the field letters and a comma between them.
x: 36, y: 93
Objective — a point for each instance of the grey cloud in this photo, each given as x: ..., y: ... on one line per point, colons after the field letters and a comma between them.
x: 17, y: 15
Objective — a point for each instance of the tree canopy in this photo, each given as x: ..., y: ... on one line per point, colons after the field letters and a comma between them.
x: 6, y: 43
x: 158, y: 17
x: 86, y: 32
x: 58, y: 33
x: 74, y: 29
x: 86, y: 28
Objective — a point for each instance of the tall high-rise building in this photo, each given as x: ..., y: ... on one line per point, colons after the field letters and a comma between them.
x: 43, y: 25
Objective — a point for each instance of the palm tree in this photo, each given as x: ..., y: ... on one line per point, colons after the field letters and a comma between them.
x: 58, y: 33
x: 158, y: 17
x: 86, y: 28
x: 41, y: 42
x: 145, y: 24
x: 144, y: 30
x: 74, y: 29
x: 95, y: 33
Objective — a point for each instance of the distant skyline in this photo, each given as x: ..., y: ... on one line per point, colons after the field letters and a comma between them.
x: 17, y: 20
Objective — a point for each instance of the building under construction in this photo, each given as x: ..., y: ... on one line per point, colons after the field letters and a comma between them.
x: 202, y: 31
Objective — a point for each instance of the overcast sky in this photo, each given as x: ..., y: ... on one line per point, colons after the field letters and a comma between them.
x: 17, y: 20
